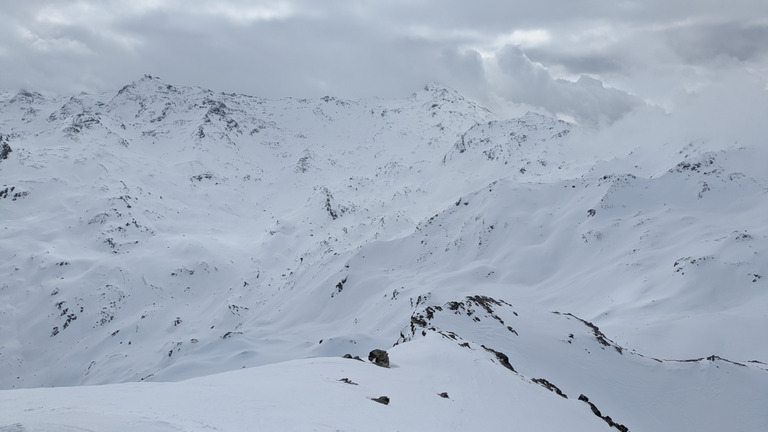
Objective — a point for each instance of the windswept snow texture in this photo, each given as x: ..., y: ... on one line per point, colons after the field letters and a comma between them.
x: 160, y: 239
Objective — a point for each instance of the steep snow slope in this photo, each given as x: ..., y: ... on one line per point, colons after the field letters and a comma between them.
x: 164, y: 233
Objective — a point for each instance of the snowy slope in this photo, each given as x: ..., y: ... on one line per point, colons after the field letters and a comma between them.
x: 164, y: 233
x: 336, y: 393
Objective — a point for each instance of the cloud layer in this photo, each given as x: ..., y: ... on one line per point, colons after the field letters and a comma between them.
x: 586, y: 60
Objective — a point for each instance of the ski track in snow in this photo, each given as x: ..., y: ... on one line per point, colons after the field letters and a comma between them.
x: 178, y: 259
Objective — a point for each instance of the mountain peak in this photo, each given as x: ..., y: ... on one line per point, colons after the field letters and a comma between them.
x: 24, y: 96
x: 436, y: 90
x: 436, y: 86
x: 146, y: 84
x: 436, y: 96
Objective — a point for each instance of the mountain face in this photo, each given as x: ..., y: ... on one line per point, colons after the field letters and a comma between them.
x: 163, y: 233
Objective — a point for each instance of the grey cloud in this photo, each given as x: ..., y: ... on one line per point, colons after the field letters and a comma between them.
x: 303, y: 56
x: 587, y: 100
x: 464, y: 70
x: 708, y: 42
x: 576, y: 64
x: 376, y: 48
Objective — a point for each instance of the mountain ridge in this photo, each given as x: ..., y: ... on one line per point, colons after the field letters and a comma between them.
x: 163, y: 233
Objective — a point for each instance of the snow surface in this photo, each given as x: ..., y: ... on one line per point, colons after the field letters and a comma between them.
x: 178, y: 259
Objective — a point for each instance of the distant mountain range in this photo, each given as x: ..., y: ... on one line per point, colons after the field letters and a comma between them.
x: 162, y: 233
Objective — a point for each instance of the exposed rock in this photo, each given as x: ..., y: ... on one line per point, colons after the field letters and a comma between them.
x: 503, y: 358
x: 607, y: 419
x: 379, y: 357
x: 381, y: 399
x: 549, y: 386
x: 443, y: 395
x: 5, y: 150
x: 471, y: 306
x: 601, y: 338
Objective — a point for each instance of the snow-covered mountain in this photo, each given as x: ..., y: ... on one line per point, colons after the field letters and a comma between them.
x: 165, y: 233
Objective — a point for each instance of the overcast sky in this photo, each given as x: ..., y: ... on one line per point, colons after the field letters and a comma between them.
x: 590, y: 60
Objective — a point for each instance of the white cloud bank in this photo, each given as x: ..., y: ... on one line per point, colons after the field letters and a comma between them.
x: 583, y: 60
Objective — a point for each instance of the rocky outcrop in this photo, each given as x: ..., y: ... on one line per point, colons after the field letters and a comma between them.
x: 382, y: 400
x: 379, y: 357
x: 607, y: 419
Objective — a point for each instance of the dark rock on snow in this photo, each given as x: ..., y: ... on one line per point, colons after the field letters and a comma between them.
x: 379, y: 357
